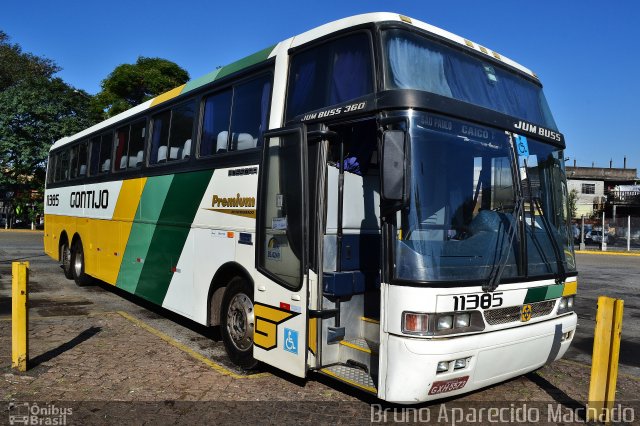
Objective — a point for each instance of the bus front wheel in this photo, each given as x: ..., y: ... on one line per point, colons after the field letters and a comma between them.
x: 65, y: 259
x: 237, y: 323
x: 78, y: 265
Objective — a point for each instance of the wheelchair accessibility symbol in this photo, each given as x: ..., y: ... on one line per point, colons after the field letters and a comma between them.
x: 522, y: 146
x: 291, y: 341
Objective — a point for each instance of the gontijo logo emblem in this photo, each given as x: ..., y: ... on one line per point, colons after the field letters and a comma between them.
x: 525, y: 313
x: 268, y: 318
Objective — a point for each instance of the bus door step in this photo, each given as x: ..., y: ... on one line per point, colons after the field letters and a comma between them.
x: 351, y: 375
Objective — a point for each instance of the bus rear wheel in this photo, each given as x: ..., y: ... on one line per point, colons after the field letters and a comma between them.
x: 237, y: 323
x: 77, y: 265
x: 65, y: 259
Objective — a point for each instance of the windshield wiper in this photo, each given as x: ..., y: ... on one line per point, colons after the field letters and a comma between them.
x: 562, y: 274
x: 496, y: 273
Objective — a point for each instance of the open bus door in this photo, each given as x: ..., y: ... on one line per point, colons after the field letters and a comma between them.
x: 281, y: 303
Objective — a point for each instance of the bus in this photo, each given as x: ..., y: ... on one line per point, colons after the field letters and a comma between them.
x: 376, y: 200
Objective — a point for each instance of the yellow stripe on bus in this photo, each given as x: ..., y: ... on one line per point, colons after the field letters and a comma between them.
x: 570, y: 288
x: 120, y: 225
x: 166, y: 96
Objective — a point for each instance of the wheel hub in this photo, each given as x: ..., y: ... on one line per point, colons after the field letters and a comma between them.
x: 240, y: 319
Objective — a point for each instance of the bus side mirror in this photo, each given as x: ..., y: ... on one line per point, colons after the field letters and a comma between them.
x: 394, y: 167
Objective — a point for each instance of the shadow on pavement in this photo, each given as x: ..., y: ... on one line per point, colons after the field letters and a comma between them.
x: 558, y: 395
x: 49, y: 355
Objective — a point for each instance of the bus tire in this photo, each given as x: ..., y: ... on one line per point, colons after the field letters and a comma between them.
x: 78, y: 264
x: 237, y: 323
x: 65, y: 259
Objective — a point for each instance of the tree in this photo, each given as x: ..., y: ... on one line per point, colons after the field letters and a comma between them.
x: 573, y: 203
x: 132, y: 84
x: 16, y: 65
x: 36, y: 109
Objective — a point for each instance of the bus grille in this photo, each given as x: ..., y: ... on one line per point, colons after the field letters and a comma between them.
x: 512, y: 313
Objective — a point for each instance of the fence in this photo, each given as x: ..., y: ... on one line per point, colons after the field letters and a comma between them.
x: 620, y: 233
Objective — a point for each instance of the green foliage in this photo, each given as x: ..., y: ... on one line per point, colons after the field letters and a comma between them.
x: 36, y: 109
x: 573, y: 203
x: 16, y: 65
x: 132, y: 84
x: 35, y: 113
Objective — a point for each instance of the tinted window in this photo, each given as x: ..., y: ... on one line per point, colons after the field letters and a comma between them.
x: 121, y: 141
x: 73, y: 159
x: 62, y: 166
x: 83, y: 159
x: 329, y: 74
x: 136, y: 143
x: 215, y: 124
x: 249, y: 114
x: 159, y: 137
x: 130, y: 146
x: 171, y: 134
x: 100, y: 154
x: 181, y: 130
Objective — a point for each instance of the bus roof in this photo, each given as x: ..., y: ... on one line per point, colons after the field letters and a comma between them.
x: 271, y: 51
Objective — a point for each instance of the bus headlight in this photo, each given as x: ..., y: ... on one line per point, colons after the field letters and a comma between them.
x: 566, y: 305
x: 463, y: 320
x: 445, y: 322
x: 430, y: 324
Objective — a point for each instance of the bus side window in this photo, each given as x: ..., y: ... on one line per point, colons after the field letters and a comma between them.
x: 62, y: 166
x: 105, y: 153
x: 334, y: 72
x: 121, y: 141
x: 82, y: 159
x: 159, y: 137
x: 215, y: 124
x: 136, y: 143
x: 94, y: 146
x: 249, y: 115
x: 73, y: 159
x: 181, y: 130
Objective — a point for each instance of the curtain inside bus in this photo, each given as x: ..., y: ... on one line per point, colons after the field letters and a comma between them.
x: 414, y: 62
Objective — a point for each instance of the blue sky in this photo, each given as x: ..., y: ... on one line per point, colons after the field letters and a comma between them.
x: 585, y: 53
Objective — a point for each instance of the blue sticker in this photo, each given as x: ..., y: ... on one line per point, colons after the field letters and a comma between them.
x: 245, y: 239
x: 522, y: 146
x: 291, y: 341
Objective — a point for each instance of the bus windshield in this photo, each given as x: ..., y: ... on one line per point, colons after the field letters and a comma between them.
x: 459, y: 225
x: 459, y: 217
x: 416, y: 62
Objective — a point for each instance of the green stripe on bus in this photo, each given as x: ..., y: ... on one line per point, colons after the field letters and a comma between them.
x: 151, y: 202
x: 170, y: 234
x: 245, y: 62
x: 200, y: 81
x: 554, y: 291
x: 539, y: 294
x: 536, y: 294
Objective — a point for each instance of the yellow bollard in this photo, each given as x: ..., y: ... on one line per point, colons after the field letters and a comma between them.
x: 606, y: 351
x: 19, y: 315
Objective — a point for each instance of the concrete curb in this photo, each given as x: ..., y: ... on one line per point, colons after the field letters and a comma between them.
x: 609, y: 253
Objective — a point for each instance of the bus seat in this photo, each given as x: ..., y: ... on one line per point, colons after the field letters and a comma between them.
x: 123, y: 162
x: 186, y: 149
x: 106, y: 166
x: 139, y: 158
x: 133, y: 161
x: 243, y: 141
x: 221, y: 144
x: 162, y: 154
x: 174, y: 153
x: 83, y: 169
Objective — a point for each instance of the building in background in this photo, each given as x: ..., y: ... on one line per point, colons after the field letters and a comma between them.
x: 612, y: 190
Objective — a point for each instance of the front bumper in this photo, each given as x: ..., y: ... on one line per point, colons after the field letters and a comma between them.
x: 492, y: 358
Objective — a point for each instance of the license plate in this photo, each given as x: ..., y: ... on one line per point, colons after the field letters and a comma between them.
x: 448, y: 385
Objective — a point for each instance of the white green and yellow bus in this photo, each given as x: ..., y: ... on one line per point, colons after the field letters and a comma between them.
x: 376, y: 199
